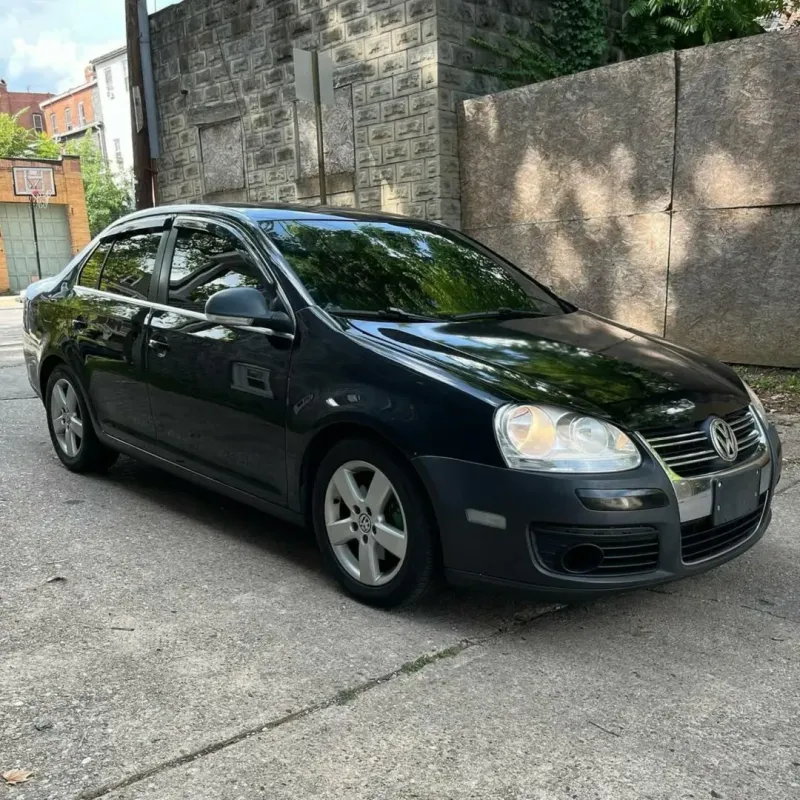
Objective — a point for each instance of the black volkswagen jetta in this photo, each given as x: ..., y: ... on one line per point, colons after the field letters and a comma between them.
x: 416, y: 398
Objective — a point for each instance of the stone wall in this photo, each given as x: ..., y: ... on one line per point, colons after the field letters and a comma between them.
x: 232, y: 129
x: 663, y: 192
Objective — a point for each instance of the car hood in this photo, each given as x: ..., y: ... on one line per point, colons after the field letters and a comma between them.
x: 576, y: 360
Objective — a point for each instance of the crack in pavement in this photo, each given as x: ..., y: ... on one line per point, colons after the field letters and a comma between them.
x: 340, y: 698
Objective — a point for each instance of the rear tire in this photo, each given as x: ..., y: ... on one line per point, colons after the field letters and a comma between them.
x: 70, y: 426
x: 373, y: 524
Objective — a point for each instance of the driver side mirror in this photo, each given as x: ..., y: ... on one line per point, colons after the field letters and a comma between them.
x: 245, y: 306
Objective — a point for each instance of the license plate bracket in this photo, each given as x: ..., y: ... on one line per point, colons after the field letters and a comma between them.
x: 736, y: 496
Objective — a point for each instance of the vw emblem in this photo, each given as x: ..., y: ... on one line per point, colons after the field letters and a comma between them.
x: 723, y: 439
x: 364, y: 524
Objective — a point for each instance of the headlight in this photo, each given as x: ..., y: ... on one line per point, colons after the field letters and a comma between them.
x: 756, y: 403
x: 549, y: 439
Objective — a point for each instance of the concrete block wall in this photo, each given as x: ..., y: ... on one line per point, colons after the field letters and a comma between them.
x: 662, y: 192
x: 405, y: 63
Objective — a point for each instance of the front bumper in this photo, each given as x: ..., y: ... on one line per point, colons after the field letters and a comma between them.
x: 530, y: 520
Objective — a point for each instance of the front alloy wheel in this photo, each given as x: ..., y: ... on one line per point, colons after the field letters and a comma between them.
x: 374, y: 523
x: 365, y: 523
x: 65, y: 416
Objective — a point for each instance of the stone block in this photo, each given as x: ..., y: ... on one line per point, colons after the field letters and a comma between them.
x: 362, y: 26
x: 380, y: 175
x: 738, y: 123
x: 393, y: 109
x: 391, y: 18
x: 396, y: 151
x: 377, y: 46
x: 407, y: 83
x: 734, y: 284
x: 337, y: 130
x: 424, y: 54
x: 614, y: 266
x: 379, y: 90
x: 381, y: 134
x: 593, y: 144
x: 393, y: 64
x: 366, y: 115
x: 420, y: 9
x: 410, y: 171
x: 223, y: 165
x: 350, y: 9
x: 407, y: 37
x: 409, y: 128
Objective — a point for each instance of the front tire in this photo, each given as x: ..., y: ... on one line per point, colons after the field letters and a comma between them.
x: 70, y: 426
x: 373, y: 524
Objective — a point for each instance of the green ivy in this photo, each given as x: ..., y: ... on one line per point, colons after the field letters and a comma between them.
x: 574, y: 39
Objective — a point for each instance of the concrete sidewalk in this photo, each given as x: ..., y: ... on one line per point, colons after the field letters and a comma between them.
x: 158, y: 641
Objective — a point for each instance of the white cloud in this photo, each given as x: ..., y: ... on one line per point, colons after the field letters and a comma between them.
x: 45, y: 44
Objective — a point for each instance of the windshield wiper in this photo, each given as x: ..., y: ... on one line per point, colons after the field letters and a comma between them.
x: 499, y: 313
x: 397, y: 314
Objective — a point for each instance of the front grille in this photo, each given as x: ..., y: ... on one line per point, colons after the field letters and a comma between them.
x: 701, y: 540
x: 689, y: 452
x: 625, y: 550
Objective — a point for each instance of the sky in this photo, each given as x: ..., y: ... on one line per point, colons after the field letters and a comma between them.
x: 45, y: 44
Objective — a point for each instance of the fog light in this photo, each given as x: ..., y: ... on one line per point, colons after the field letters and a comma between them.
x: 622, y: 499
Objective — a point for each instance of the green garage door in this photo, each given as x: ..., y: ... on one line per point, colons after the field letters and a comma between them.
x: 55, y: 245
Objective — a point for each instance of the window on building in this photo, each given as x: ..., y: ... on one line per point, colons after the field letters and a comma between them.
x: 130, y: 264
x: 125, y: 73
x: 81, y: 115
x: 38, y: 123
x: 109, y: 77
x: 68, y: 118
x: 118, y: 150
x: 205, y: 262
x: 53, y: 126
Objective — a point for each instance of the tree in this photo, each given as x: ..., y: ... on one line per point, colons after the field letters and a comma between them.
x: 107, y: 198
x: 652, y: 26
x: 574, y: 39
x: 19, y: 142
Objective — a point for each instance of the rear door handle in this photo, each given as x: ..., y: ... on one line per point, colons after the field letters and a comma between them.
x: 160, y: 346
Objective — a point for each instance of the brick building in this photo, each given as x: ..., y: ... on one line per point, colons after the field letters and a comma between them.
x: 62, y: 228
x: 71, y: 114
x: 32, y: 116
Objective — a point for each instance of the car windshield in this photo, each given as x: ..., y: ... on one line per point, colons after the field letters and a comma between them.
x: 393, y: 268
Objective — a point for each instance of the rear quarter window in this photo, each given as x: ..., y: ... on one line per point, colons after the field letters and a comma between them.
x: 129, y: 266
x: 90, y: 272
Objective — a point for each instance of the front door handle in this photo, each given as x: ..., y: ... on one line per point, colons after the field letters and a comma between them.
x: 158, y: 345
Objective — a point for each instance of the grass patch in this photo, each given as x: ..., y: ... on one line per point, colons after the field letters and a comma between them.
x: 779, y: 389
x: 430, y: 658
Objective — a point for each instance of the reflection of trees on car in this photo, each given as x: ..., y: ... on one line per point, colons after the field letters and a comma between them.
x: 205, y: 263
x: 371, y: 266
x: 130, y: 265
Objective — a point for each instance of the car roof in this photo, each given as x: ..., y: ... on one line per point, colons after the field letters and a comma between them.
x: 273, y: 211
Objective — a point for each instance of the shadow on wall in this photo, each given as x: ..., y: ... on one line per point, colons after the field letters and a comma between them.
x: 682, y: 222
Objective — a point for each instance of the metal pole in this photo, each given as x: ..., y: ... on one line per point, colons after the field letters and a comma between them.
x: 323, y: 190
x: 141, y: 141
x: 36, y: 239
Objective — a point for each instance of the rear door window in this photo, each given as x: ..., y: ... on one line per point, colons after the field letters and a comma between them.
x: 205, y: 262
x: 90, y: 273
x: 129, y: 267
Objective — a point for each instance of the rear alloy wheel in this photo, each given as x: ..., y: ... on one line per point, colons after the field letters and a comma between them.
x: 70, y: 426
x: 65, y: 417
x: 373, y: 524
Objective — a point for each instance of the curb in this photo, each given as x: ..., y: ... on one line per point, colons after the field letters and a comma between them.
x: 10, y: 301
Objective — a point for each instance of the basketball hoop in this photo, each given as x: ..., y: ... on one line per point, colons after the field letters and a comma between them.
x: 38, y: 183
x: 40, y: 198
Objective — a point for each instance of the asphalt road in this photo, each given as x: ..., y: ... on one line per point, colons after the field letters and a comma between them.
x: 157, y: 641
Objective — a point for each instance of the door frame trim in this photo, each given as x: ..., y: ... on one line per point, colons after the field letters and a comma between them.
x: 173, y: 310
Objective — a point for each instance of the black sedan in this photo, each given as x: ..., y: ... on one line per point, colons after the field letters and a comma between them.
x: 418, y: 400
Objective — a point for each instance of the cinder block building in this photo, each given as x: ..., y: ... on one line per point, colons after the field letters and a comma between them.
x: 232, y: 129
